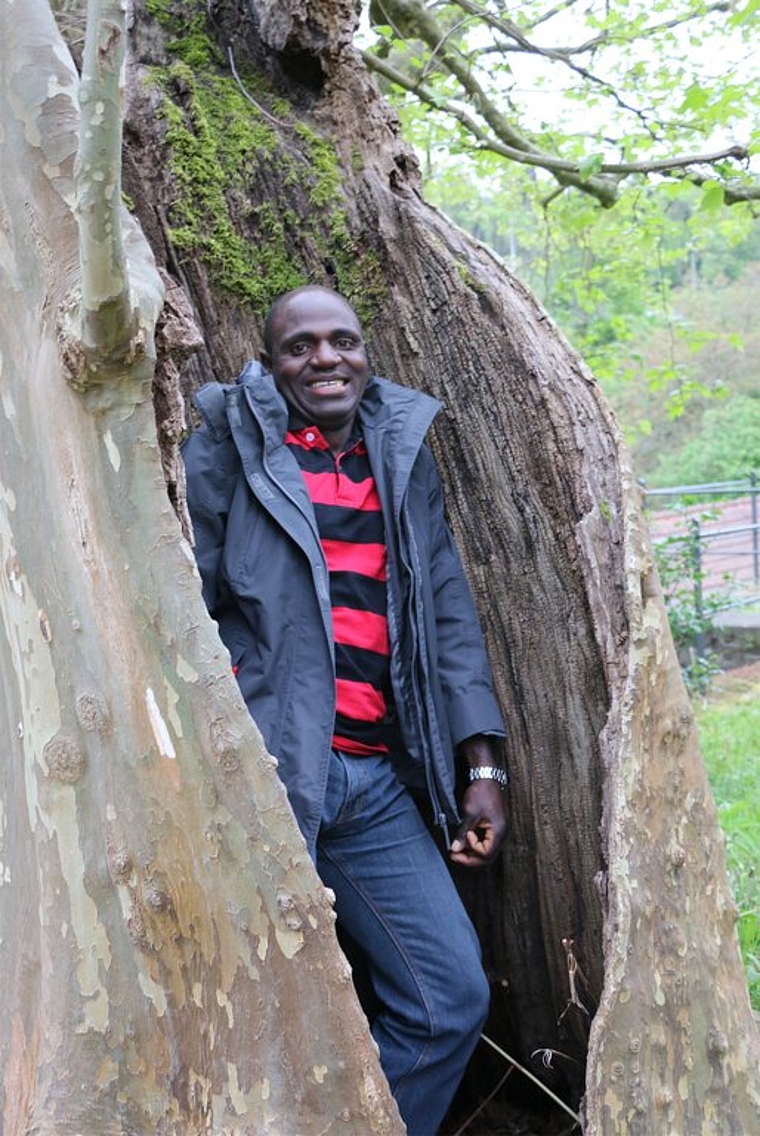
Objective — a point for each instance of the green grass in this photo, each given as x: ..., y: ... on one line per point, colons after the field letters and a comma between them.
x: 729, y: 730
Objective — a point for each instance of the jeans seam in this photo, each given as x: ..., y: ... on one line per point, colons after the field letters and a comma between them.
x: 432, y: 1024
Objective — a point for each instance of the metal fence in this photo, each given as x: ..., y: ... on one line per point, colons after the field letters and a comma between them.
x: 718, y: 527
x: 708, y: 544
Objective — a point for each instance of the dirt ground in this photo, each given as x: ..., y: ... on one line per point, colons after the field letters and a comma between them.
x: 735, y: 683
x: 515, y: 1120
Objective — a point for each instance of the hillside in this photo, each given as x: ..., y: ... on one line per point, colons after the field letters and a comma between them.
x: 701, y: 420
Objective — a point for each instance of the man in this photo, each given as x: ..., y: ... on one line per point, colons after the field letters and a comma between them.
x: 326, y: 560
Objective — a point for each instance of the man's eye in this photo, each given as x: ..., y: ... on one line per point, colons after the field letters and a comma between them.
x: 299, y: 348
x: 347, y: 343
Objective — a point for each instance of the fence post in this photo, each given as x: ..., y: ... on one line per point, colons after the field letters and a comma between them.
x: 695, y: 555
x: 755, y: 541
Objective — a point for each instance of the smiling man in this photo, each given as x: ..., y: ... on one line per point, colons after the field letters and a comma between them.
x: 326, y: 560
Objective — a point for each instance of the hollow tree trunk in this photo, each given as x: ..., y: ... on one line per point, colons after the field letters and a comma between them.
x: 159, y: 943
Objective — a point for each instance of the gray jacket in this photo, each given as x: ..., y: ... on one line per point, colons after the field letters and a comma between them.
x: 266, y: 584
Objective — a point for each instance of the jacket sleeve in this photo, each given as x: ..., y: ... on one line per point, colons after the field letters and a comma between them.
x: 212, y: 469
x: 463, y: 668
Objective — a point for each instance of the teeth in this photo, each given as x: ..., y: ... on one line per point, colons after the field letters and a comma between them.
x: 328, y: 383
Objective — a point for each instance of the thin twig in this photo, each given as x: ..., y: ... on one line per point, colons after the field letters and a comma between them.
x: 247, y: 94
x: 530, y: 1076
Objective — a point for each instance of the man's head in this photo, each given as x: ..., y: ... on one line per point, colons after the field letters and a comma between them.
x: 313, y: 346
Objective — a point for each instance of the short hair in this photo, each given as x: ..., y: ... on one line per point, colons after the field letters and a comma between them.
x: 280, y: 302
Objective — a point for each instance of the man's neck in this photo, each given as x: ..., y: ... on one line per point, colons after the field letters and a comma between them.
x: 336, y: 438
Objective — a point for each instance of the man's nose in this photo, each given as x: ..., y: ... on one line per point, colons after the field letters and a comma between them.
x: 324, y: 354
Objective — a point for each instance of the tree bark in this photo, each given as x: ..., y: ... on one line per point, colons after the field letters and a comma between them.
x: 161, y: 919
x: 160, y: 950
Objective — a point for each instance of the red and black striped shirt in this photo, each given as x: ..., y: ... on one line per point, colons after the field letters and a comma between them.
x: 350, y: 523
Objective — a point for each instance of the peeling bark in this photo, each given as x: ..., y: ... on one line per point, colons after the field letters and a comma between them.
x: 161, y: 918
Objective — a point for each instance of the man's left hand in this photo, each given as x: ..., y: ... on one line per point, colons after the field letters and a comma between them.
x: 484, y: 825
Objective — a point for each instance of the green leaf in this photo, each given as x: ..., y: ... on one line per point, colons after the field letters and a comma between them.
x: 590, y: 166
x: 713, y: 196
x: 744, y: 13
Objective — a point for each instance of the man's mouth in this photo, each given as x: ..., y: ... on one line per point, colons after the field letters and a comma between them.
x: 327, y: 384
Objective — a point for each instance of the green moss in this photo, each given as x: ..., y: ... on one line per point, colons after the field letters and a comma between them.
x: 214, y: 138
x: 605, y: 510
x: 217, y: 141
x: 467, y: 278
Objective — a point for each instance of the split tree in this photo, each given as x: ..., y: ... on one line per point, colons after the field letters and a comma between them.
x: 168, y: 953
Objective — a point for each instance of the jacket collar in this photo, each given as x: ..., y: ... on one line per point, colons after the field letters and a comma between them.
x: 403, y: 416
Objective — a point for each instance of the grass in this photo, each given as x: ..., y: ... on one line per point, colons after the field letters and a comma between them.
x: 729, y: 730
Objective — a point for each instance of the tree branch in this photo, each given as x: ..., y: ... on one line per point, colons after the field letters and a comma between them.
x: 602, y: 186
x: 513, y: 31
x: 605, y: 191
x: 504, y: 139
x: 109, y: 324
x: 411, y: 19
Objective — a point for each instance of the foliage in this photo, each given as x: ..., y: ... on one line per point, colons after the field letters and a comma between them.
x: 607, y: 277
x: 691, y: 611
x: 729, y: 730
x: 628, y: 79
x: 728, y: 445
x: 638, y: 91
x: 703, y: 351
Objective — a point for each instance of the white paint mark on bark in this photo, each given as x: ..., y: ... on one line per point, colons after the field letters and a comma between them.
x: 289, y: 942
x: 112, y: 450
x: 9, y: 407
x: 159, y: 727
x: 319, y: 1073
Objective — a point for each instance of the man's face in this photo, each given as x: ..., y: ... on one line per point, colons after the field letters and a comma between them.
x: 318, y: 359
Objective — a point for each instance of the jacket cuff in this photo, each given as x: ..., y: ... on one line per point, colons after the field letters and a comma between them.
x: 474, y: 714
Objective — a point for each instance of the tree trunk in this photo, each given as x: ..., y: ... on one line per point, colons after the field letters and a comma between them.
x: 168, y: 956
x: 161, y: 920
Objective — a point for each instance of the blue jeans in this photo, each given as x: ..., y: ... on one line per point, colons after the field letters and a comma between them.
x: 395, y: 898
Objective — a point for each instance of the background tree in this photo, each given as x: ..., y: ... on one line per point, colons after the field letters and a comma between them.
x: 648, y: 98
x: 167, y: 949
x: 497, y: 108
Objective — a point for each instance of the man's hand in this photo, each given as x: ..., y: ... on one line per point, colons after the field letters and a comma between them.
x: 484, y: 821
x: 483, y: 828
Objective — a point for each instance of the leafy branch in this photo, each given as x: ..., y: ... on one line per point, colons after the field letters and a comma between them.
x: 480, y: 113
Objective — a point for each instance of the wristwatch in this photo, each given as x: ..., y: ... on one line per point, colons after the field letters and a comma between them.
x: 490, y: 773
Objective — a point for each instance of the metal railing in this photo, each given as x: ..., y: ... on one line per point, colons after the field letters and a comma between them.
x: 713, y: 532
x: 703, y: 529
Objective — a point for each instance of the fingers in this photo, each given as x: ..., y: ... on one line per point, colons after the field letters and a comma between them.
x: 474, y: 845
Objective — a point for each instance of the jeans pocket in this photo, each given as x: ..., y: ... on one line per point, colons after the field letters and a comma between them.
x: 336, y: 792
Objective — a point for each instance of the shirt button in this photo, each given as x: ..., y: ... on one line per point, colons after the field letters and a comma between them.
x: 310, y: 435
